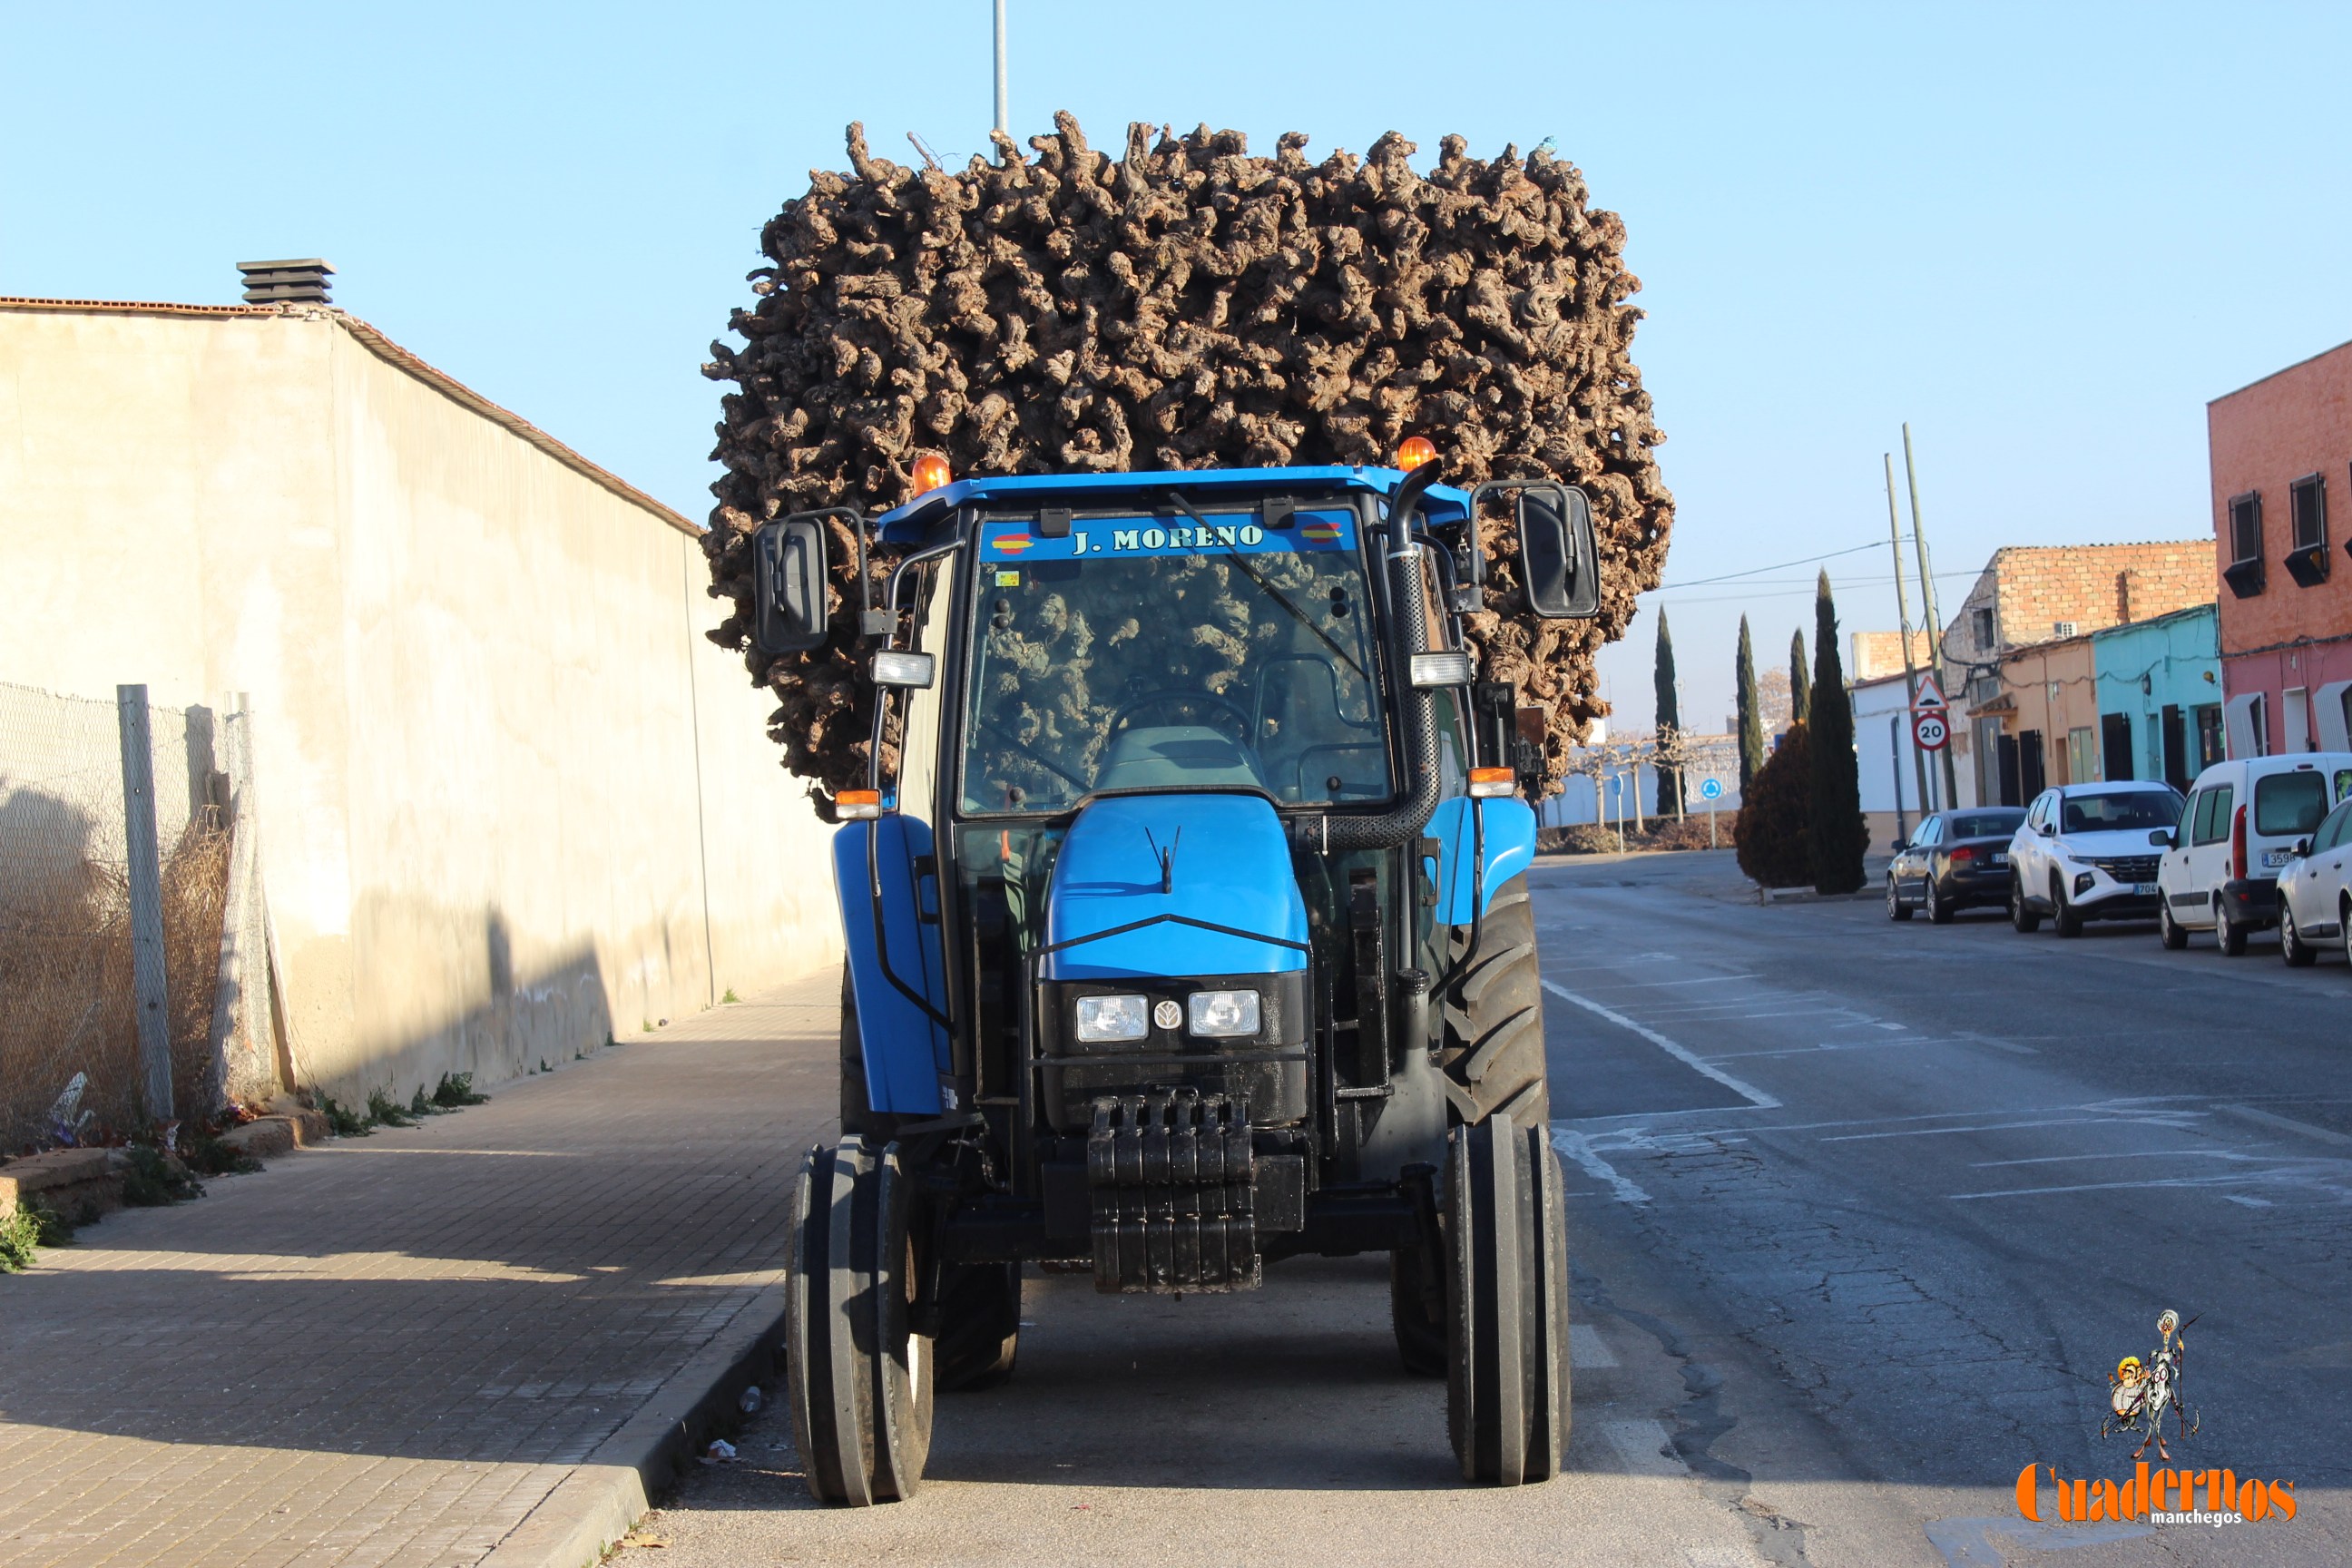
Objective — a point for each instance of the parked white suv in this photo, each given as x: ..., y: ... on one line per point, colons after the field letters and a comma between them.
x: 2316, y: 890
x: 2088, y: 852
x: 2220, y: 872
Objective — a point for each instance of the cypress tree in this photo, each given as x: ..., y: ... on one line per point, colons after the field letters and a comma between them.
x: 1801, y: 680
x: 1836, y: 833
x: 1751, y: 717
x: 1670, y: 722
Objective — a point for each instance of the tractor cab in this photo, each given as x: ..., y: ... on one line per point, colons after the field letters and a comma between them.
x: 1187, y: 930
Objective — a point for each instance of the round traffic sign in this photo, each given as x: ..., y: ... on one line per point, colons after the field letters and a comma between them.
x: 1927, y: 728
x: 1710, y: 789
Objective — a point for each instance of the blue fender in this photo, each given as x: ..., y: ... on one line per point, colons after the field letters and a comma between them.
x: 1508, y: 826
x: 907, y: 1050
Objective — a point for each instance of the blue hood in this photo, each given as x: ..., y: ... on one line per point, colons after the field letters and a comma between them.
x: 1233, y: 868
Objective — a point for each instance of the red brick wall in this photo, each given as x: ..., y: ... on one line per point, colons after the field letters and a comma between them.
x: 2261, y: 438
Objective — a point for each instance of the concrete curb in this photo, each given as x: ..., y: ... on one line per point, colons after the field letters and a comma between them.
x: 602, y: 1501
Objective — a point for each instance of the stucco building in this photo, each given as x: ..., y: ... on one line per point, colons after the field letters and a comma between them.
x: 2280, y: 450
x: 513, y: 802
x: 2159, y: 697
x: 2030, y: 595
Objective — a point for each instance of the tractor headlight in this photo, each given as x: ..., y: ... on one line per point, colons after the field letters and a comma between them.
x: 1113, y: 1017
x: 1222, y: 1012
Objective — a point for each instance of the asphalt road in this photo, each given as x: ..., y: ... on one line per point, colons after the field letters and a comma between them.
x: 1863, y: 1213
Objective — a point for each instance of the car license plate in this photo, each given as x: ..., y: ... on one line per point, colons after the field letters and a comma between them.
x: 2274, y: 858
x: 2001, y: 859
x: 2143, y: 890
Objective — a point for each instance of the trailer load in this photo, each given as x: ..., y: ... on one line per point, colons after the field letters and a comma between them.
x: 1184, y: 306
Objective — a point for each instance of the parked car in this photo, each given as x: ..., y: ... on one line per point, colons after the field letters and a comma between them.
x: 2316, y: 890
x: 2219, y: 870
x: 1958, y: 861
x: 2088, y: 852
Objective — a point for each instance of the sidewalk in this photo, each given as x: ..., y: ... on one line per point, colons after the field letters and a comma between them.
x: 397, y: 1349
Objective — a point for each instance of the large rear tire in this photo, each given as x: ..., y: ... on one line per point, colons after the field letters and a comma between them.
x: 1492, y: 1057
x: 1507, y: 1406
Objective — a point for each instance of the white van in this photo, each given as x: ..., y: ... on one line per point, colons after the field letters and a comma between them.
x: 2220, y: 871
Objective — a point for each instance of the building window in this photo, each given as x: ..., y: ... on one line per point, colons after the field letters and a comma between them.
x: 1981, y: 630
x: 2244, y: 572
x: 2306, y: 563
x: 2211, y: 735
x: 2295, y: 709
x: 2062, y: 628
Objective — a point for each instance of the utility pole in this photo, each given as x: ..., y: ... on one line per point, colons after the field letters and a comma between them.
x: 1927, y: 598
x: 1003, y: 99
x: 1903, y: 618
x: 151, y: 991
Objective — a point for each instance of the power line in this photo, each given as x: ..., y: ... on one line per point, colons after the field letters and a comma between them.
x: 1776, y: 566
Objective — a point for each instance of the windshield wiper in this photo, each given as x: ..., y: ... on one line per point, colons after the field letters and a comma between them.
x: 1271, y: 591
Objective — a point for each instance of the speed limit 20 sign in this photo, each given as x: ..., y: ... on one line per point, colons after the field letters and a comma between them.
x: 1927, y: 728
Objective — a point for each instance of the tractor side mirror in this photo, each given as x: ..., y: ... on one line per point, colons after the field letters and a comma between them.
x: 1558, y: 556
x: 788, y: 563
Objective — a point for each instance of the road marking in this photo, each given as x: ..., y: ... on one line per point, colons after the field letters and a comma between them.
x: 1681, y: 1053
x: 2135, y: 1154
x: 2250, y: 1203
x: 2117, y: 1187
x: 1998, y: 1127
x: 2287, y: 1124
x: 1654, y: 984
x: 1586, y: 1352
x: 1578, y: 1149
x: 1969, y: 1543
x: 1645, y: 1448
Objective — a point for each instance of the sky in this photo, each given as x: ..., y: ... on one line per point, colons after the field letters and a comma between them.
x: 2045, y: 236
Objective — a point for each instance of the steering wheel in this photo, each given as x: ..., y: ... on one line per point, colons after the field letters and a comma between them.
x: 1242, y: 724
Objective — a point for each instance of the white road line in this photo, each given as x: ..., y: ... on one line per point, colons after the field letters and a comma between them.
x: 1586, y: 1351
x: 1654, y: 984
x: 2115, y: 1186
x: 2287, y: 1124
x: 1999, y: 1127
x: 2134, y: 1154
x: 1681, y: 1053
x: 1577, y: 1149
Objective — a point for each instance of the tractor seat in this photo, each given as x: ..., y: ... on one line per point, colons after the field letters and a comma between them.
x: 1168, y: 756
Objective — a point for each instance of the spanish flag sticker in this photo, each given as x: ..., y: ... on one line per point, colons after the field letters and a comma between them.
x: 1323, y: 530
x: 1010, y: 543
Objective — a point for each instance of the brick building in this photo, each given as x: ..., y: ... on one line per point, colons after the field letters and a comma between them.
x: 2032, y: 595
x: 2285, y: 612
x: 1875, y: 655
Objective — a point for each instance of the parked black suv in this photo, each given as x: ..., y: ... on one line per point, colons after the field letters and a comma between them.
x: 1956, y: 860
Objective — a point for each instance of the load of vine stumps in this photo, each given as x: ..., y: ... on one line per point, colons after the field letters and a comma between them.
x: 1184, y: 305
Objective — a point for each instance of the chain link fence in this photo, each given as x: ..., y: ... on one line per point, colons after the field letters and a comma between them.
x: 68, y: 996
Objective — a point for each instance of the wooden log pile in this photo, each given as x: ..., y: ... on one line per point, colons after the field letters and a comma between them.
x: 1185, y: 305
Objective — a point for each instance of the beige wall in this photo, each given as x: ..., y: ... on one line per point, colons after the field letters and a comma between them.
x: 477, y: 673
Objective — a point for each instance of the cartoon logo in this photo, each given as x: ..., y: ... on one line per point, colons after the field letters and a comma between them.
x: 2140, y: 1393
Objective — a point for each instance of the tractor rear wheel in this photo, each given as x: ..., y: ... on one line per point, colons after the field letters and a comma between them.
x: 1493, y: 1054
x: 1506, y: 1303
x: 858, y: 1379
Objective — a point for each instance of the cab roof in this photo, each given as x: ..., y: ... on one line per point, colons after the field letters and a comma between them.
x: 914, y: 521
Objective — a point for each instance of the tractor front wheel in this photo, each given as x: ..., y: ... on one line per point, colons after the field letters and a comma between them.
x: 858, y: 1377
x: 1506, y: 1303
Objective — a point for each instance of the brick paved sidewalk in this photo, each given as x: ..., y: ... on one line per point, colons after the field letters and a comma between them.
x: 392, y: 1349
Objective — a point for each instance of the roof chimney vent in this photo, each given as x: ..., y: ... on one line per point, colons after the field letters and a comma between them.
x: 286, y: 282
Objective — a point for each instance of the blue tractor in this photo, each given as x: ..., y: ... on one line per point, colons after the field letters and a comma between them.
x: 1187, y: 930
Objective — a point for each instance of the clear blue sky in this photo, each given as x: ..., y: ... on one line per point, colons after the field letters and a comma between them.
x: 2044, y: 235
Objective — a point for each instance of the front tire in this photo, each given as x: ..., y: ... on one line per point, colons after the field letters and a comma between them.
x: 1508, y: 1403
x: 2297, y: 952
x: 1897, y: 909
x: 2173, y: 934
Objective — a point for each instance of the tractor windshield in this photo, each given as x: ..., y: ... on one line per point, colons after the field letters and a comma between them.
x: 1151, y: 652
